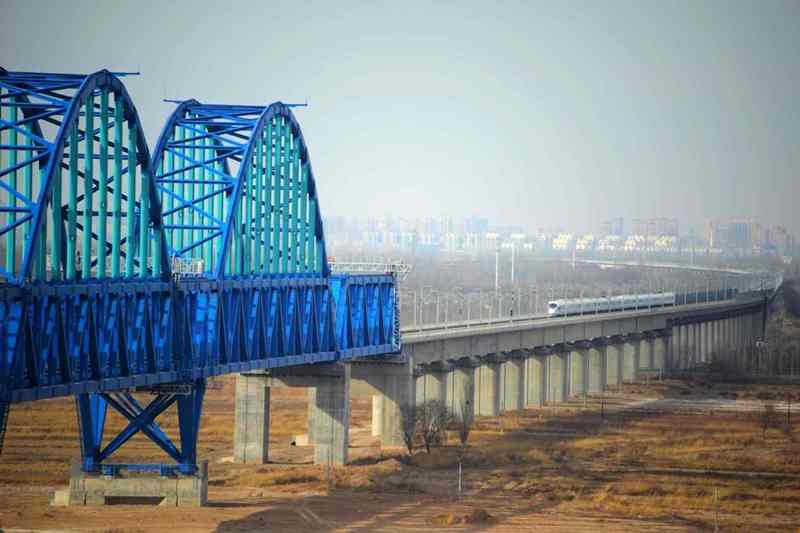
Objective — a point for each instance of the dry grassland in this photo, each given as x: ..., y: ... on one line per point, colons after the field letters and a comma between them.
x: 552, y: 469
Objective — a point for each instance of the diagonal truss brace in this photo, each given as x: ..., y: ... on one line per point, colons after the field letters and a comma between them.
x: 92, y: 408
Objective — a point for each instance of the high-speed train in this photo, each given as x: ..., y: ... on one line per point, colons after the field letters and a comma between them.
x: 585, y: 306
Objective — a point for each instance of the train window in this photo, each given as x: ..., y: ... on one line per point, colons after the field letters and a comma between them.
x: 553, y: 305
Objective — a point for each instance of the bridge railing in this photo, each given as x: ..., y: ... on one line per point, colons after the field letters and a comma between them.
x: 436, y: 309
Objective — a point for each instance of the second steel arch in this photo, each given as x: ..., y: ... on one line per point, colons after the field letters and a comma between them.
x: 238, y: 191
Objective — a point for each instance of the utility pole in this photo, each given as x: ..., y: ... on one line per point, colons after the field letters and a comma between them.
x: 497, y: 268
x: 513, y: 249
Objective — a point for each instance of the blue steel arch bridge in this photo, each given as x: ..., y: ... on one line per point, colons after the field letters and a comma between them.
x: 123, y: 270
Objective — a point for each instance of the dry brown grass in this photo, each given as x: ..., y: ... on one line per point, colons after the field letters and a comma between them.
x: 603, y: 466
x: 566, y: 459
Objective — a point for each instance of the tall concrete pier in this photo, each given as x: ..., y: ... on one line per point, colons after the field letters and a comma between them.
x: 328, y: 412
x: 491, y: 370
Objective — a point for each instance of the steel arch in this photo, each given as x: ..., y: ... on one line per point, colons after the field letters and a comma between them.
x: 264, y: 299
x: 64, y: 106
x: 238, y: 191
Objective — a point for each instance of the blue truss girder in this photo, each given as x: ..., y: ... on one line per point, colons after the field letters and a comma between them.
x: 64, y: 339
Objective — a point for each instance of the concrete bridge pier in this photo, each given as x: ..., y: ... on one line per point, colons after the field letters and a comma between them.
x: 597, y: 368
x: 557, y: 376
x: 706, y: 344
x: 513, y: 381
x: 715, y: 339
x: 694, y: 351
x: 460, y: 393
x: 660, y: 349
x: 391, y: 384
x: 536, y: 378
x: 724, y: 336
x: 646, y: 352
x: 732, y: 338
x: 251, y: 430
x: 630, y: 357
x: 331, y: 418
x: 738, y: 341
x: 488, y: 386
x: 748, y: 324
x: 432, y: 382
x: 578, y: 370
x: 758, y: 323
x: 713, y: 336
x: 743, y: 340
x: 685, y: 346
x: 614, y: 360
x: 699, y: 343
x: 328, y: 412
x: 669, y: 350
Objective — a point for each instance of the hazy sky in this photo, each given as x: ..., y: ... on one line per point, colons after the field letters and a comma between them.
x: 526, y: 112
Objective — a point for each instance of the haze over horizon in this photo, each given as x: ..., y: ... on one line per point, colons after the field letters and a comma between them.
x: 526, y: 113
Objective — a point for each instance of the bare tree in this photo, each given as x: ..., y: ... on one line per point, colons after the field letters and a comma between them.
x: 409, y: 424
x: 433, y: 420
x: 464, y: 422
x: 768, y: 418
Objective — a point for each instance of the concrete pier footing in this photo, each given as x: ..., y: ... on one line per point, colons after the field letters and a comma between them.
x: 95, y: 489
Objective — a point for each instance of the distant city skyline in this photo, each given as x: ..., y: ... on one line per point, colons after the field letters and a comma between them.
x: 727, y: 236
x: 683, y: 228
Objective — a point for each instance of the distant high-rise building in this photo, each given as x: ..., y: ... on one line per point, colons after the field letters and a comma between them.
x: 656, y: 226
x: 614, y: 226
x: 780, y: 240
x: 475, y: 224
x: 732, y: 235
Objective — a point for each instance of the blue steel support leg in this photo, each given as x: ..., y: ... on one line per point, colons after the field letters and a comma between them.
x: 190, y: 410
x: 92, y: 410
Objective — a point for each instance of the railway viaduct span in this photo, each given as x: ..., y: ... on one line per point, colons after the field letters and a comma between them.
x: 124, y: 270
x: 486, y: 367
x: 541, y: 360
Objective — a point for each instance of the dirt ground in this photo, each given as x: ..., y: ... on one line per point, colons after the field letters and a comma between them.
x: 672, y: 456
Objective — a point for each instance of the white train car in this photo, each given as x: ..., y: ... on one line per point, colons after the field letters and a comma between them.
x: 586, y: 306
